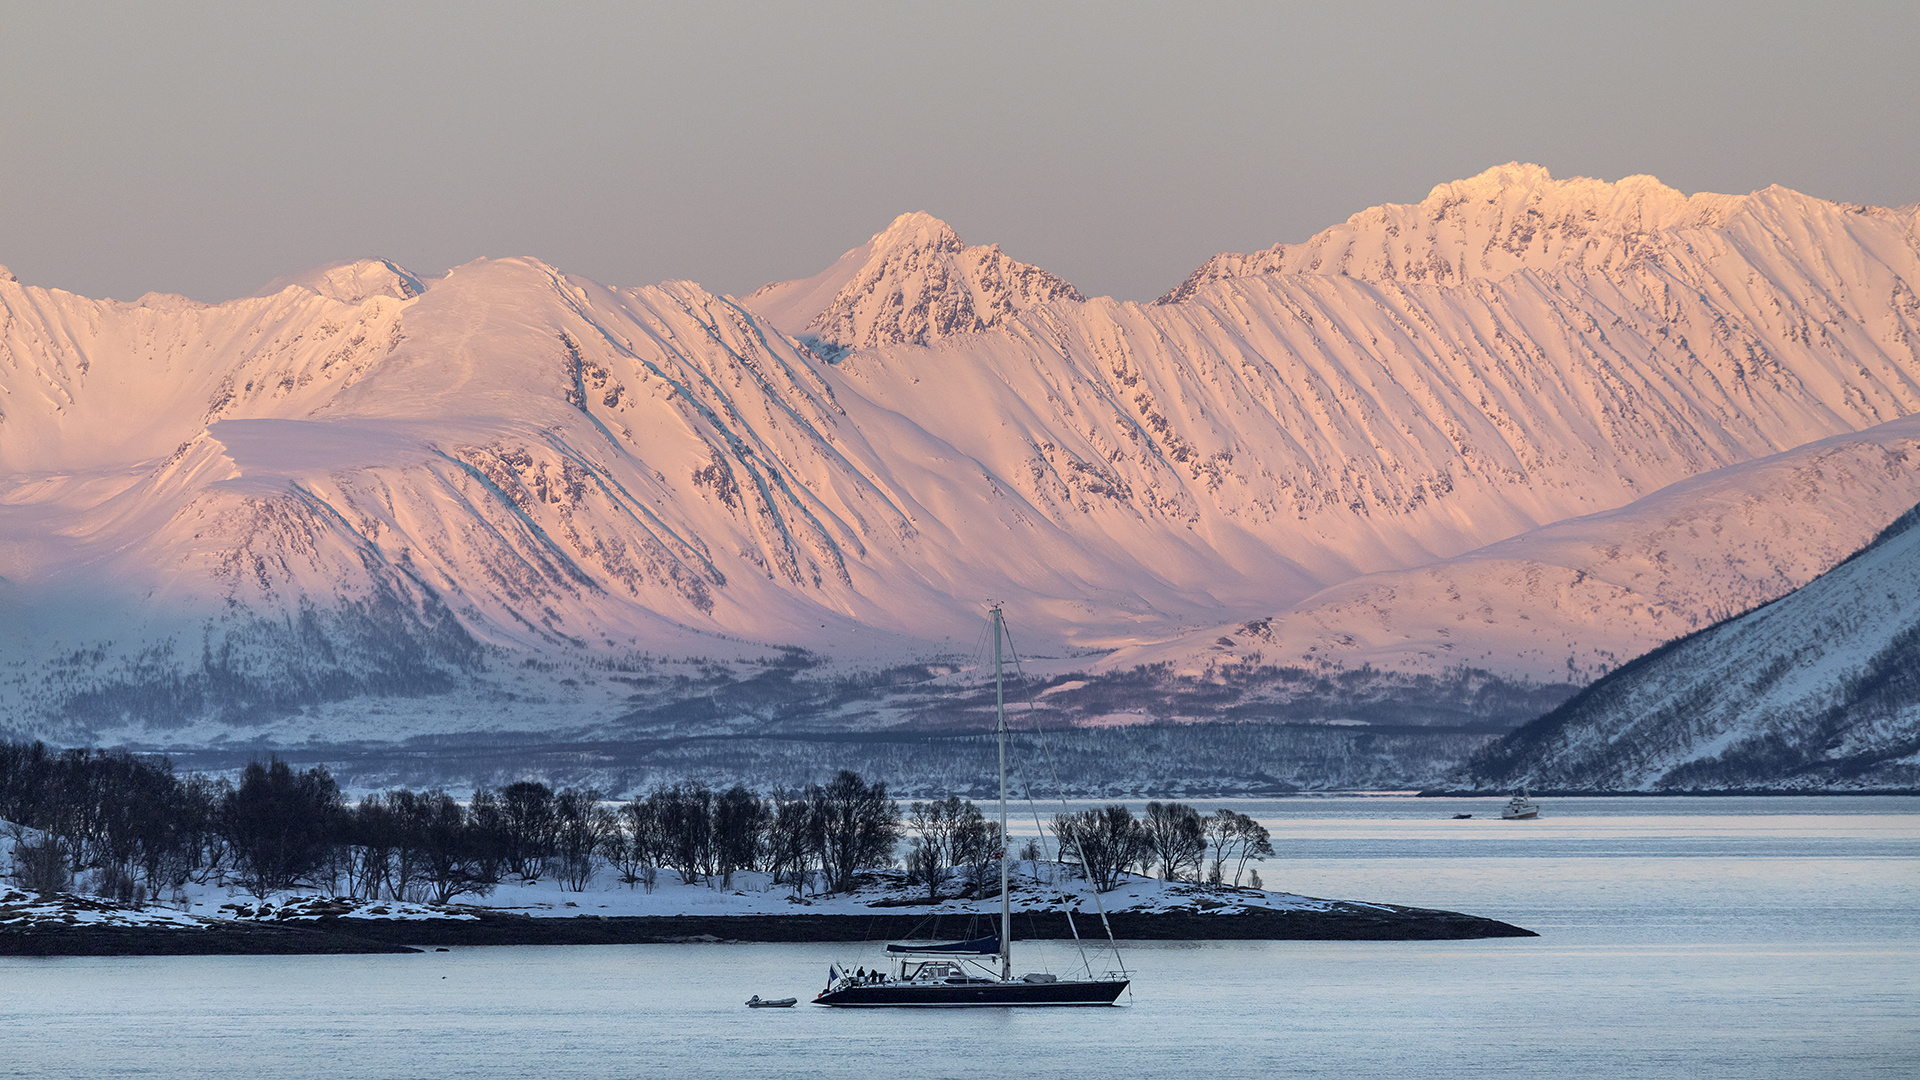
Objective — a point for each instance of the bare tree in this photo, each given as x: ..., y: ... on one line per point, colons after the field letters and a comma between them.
x: 739, y: 826
x: 526, y: 809
x: 1255, y: 843
x: 279, y: 824
x: 585, y: 825
x: 683, y: 813
x: 1235, y: 838
x: 859, y: 826
x: 795, y: 835
x: 635, y: 851
x: 406, y: 814
x: 40, y: 861
x: 1103, y: 842
x: 1175, y: 837
x: 931, y: 849
x: 976, y: 845
x: 369, y: 836
x: 487, y: 828
x: 127, y: 818
x: 451, y: 849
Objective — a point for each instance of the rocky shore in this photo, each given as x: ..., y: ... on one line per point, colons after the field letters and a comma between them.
x: 479, y: 926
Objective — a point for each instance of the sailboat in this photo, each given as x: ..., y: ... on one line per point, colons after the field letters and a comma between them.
x: 958, y: 973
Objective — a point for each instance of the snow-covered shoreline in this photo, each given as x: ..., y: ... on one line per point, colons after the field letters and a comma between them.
x: 751, y: 909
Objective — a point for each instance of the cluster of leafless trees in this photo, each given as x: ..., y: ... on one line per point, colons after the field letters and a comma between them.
x: 139, y: 831
x: 128, y: 828
x: 832, y: 829
x: 1108, y: 841
x: 128, y: 820
x: 950, y: 834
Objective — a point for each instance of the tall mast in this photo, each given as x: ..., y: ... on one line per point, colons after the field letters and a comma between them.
x: 1000, y: 727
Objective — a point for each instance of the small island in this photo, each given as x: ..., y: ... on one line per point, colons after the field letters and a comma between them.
x: 111, y: 854
x: 884, y: 904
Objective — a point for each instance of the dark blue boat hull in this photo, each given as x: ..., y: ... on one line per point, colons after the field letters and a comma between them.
x: 949, y: 995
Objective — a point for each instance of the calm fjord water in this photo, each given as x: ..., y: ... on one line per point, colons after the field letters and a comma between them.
x: 1681, y: 937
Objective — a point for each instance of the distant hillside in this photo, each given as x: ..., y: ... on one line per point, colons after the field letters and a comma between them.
x: 1819, y: 689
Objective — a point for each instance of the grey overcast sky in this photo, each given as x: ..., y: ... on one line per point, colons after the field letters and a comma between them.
x: 206, y: 147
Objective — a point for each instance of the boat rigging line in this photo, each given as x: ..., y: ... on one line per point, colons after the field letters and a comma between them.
x: 1039, y: 736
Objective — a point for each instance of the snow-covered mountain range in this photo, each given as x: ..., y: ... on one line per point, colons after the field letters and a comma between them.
x: 1817, y: 690
x: 1528, y: 426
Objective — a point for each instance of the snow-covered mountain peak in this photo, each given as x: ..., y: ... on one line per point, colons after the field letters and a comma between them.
x: 1509, y: 218
x: 912, y: 283
x: 1643, y: 200
x: 915, y: 230
x: 6, y: 274
x: 353, y: 281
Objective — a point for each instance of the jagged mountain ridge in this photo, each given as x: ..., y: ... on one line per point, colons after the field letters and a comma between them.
x: 1517, y: 217
x: 913, y: 283
x: 537, y: 480
x: 1817, y: 690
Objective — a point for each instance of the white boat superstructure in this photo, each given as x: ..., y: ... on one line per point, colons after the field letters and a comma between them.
x: 1520, y: 808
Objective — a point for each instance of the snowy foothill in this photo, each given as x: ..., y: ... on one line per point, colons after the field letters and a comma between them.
x: 1815, y: 691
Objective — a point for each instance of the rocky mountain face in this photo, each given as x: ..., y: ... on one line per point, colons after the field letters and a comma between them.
x: 369, y: 504
x: 1508, y: 219
x: 1819, y: 689
x: 912, y: 284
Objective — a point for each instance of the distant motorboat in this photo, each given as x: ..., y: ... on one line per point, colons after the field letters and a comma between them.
x: 1520, y: 808
x: 1461, y: 817
x: 757, y: 1002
